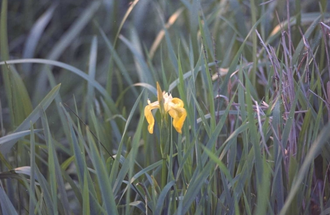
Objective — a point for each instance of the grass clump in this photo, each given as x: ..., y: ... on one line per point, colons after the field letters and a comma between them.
x: 252, y: 78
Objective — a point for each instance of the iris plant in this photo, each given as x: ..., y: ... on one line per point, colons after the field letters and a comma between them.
x: 166, y: 104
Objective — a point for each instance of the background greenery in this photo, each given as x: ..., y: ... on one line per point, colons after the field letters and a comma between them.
x: 76, y: 75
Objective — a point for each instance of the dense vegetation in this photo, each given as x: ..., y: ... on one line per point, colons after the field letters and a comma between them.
x: 76, y: 77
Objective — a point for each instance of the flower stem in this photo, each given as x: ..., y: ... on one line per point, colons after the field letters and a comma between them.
x: 164, y: 173
x: 164, y: 141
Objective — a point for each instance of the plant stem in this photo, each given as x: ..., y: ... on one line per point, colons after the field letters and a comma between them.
x: 164, y: 172
x: 164, y: 141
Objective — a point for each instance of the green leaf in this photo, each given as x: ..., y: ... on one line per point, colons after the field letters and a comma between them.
x: 126, y: 165
x: 6, y: 206
x: 143, y: 70
x: 213, y: 157
x: 91, y: 73
x: 33, y: 117
x: 67, y: 67
x: 117, y: 59
x: 56, y: 179
x: 162, y: 196
x: 6, y: 142
x: 32, y: 200
x: 314, y: 151
x: 35, y: 35
x: 102, y: 178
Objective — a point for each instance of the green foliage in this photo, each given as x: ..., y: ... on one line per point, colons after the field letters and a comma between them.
x: 253, y: 76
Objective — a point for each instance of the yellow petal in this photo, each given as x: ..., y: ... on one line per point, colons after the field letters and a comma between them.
x: 149, y: 116
x: 177, y: 102
x: 160, y: 95
x: 178, y: 113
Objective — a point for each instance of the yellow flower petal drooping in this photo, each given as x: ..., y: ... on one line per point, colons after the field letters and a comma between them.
x: 173, y: 106
x: 178, y: 113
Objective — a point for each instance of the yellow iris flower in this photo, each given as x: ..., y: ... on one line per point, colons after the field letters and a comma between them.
x: 166, y: 104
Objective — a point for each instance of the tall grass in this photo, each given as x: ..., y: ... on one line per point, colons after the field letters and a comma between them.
x: 76, y: 76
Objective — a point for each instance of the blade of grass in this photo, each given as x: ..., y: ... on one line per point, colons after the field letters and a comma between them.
x: 185, y: 76
x: 206, y: 73
x: 254, y: 136
x: 278, y: 185
x: 307, y: 34
x: 125, y: 167
x: 33, y: 117
x: 263, y: 190
x: 315, y: 149
x: 128, y: 12
x: 161, y: 33
x: 162, y: 196
x: 6, y: 141
x: 91, y: 73
x: 199, y: 177
x: 71, y: 69
x: 81, y: 164
x: 216, y: 132
x: 143, y: 70
x: 132, y: 158
x: 102, y: 177
x: 64, y: 42
x: 46, y: 193
x: 22, y: 105
x: 117, y: 59
x: 171, y: 51
x: 218, y: 161
x: 4, y: 36
x: 254, y: 41
x: 85, y: 197
x: 58, y: 101
x: 234, y: 62
x: 56, y: 180
x: 5, y: 56
x: 6, y: 205
x: 35, y: 35
x: 195, y: 187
